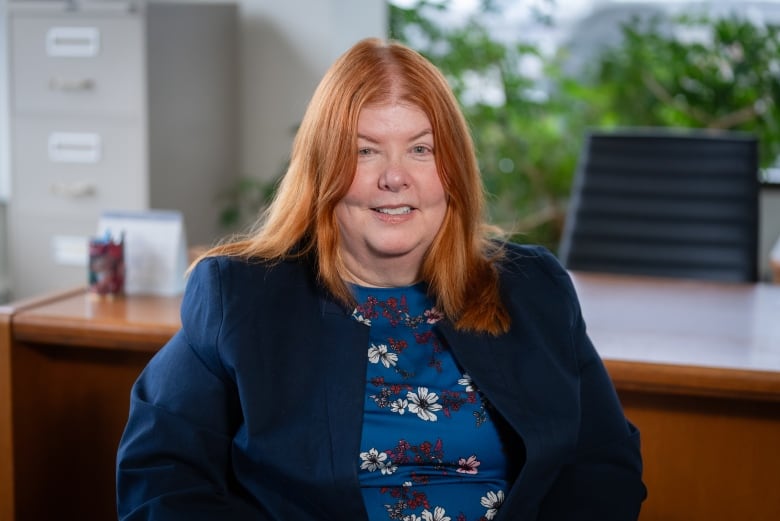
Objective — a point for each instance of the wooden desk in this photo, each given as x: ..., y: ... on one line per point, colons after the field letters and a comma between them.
x: 67, y: 363
x: 697, y: 367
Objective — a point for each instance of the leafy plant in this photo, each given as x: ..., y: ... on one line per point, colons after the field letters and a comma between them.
x: 696, y: 71
x: 243, y: 201
x: 529, y: 134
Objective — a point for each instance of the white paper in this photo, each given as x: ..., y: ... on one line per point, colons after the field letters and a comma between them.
x: 155, y: 249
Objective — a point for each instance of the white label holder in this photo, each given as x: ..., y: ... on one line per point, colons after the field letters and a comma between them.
x: 73, y: 42
x: 74, y: 147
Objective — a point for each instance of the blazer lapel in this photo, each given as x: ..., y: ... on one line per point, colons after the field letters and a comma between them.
x: 517, y: 375
x: 488, y: 363
x: 346, y: 342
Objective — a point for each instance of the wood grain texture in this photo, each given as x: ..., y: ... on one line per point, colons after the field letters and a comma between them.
x: 6, y: 430
x: 71, y: 359
x: 707, y: 458
x: 691, y: 380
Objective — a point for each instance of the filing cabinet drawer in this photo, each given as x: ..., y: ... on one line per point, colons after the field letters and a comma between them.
x: 78, y: 166
x: 49, y: 254
x: 77, y: 66
x: 105, y: 106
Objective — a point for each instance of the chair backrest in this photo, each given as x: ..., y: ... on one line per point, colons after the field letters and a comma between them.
x: 666, y: 203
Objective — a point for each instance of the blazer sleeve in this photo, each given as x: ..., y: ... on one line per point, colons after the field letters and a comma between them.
x: 604, y: 479
x: 173, y: 461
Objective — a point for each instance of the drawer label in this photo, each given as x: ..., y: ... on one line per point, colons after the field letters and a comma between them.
x: 74, y: 147
x: 70, y: 250
x: 73, y: 42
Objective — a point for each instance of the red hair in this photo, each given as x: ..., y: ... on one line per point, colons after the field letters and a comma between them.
x: 459, y: 266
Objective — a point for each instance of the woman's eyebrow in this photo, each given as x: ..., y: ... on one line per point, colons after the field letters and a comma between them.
x: 367, y: 138
x: 425, y: 132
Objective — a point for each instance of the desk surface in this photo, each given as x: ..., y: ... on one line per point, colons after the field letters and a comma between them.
x: 670, y: 335
x: 79, y: 318
x: 641, y: 319
x: 685, y: 337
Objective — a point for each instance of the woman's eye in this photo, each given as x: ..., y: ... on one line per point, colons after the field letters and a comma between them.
x: 421, y: 149
x: 364, y: 151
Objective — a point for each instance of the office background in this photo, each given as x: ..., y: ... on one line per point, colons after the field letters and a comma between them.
x: 283, y: 54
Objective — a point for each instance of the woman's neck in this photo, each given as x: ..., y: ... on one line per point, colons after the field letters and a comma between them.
x: 391, y: 274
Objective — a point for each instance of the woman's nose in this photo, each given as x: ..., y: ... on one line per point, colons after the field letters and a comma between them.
x: 394, y: 177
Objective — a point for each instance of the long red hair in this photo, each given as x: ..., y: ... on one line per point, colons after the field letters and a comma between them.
x: 459, y: 266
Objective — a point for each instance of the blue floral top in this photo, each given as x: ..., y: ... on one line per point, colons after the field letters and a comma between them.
x: 431, y: 449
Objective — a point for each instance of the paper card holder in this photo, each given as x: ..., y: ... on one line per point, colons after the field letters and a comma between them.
x: 155, y: 249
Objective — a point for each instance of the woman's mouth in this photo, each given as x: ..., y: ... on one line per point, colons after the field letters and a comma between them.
x: 398, y: 210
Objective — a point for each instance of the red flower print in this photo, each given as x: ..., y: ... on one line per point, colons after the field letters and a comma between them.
x: 468, y: 466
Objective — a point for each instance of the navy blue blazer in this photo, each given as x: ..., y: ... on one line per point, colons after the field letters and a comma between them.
x: 253, y: 410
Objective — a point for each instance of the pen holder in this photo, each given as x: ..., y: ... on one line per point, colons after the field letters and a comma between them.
x: 106, y: 266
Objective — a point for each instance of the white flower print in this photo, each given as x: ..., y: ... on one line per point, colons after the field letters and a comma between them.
x: 423, y: 404
x: 388, y: 468
x: 379, y: 353
x: 467, y: 382
x: 492, y: 502
x: 412, y: 517
x: 399, y: 406
x: 360, y: 318
x: 437, y: 515
x: 374, y: 460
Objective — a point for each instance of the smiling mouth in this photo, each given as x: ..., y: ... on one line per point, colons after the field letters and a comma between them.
x: 401, y: 210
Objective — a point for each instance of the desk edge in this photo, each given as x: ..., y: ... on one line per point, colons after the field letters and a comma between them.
x: 715, y: 382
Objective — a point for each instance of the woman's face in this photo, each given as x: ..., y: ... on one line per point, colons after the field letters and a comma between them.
x: 396, y: 203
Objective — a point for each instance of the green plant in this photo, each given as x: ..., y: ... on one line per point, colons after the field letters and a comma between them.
x: 242, y: 202
x: 696, y: 71
x: 529, y: 136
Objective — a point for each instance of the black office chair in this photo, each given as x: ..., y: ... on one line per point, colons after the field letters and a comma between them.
x: 665, y: 202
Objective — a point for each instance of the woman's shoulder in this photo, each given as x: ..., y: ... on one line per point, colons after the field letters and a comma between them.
x: 238, y: 271
x: 223, y: 284
x: 527, y: 259
x: 226, y: 288
x: 534, y: 273
x: 225, y: 262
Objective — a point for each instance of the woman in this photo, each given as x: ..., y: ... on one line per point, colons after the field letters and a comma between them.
x: 370, y: 352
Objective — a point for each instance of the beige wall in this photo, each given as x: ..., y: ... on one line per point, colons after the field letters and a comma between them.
x: 4, y: 188
x: 286, y: 47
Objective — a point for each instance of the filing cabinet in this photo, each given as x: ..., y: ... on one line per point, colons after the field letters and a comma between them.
x: 114, y: 105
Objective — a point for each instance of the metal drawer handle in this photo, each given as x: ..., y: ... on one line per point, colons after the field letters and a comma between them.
x: 66, y: 85
x: 73, y: 190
